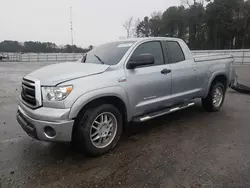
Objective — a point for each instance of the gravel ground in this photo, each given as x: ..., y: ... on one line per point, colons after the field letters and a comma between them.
x: 190, y: 148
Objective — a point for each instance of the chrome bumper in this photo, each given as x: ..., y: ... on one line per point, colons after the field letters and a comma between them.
x: 36, y: 128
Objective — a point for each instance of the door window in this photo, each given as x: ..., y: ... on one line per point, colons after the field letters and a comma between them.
x: 153, y: 48
x: 175, y: 52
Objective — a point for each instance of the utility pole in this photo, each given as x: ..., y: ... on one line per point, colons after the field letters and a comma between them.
x: 71, y: 27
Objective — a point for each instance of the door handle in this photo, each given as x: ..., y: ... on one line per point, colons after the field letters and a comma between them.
x: 165, y: 71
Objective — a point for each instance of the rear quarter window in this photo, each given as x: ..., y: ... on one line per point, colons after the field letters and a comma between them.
x: 175, y: 52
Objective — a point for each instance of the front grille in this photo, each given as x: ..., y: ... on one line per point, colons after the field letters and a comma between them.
x: 29, y: 92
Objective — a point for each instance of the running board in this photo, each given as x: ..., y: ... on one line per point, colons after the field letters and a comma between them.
x: 162, y: 112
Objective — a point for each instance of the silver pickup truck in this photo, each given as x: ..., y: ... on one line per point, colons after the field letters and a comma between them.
x: 91, y: 101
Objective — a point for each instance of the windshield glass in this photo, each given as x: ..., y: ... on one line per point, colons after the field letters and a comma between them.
x: 108, y: 53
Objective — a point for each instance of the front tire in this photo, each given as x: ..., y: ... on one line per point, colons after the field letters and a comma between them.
x: 98, y: 129
x: 215, y: 99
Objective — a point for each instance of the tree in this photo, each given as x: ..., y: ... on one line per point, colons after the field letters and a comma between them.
x: 38, y: 47
x: 128, y: 25
x: 91, y: 47
x: 175, y: 22
x: 189, y: 3
x: 242, y: 23
x: 10, y: 46
x: 196, y: 26
x: 203, y: 24
x: 143, y: 28
x: 222, y: 23
x: 155, y: 24
x: 246, y: 25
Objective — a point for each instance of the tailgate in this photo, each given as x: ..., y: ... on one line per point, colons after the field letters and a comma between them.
x: 211, y: 57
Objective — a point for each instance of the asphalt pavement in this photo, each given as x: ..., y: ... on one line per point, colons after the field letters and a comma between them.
x: 188, y: 149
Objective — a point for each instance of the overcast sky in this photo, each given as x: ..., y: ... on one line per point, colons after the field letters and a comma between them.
x: 94, y: 21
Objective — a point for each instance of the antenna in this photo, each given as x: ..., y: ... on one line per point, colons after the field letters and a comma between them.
x: 71, y: 27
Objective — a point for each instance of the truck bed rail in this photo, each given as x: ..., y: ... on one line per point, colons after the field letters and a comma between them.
x: 211, y: 57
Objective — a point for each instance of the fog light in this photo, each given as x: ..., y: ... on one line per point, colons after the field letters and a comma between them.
x: 49, y: 132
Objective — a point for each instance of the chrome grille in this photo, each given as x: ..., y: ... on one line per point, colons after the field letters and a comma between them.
x: 29, y: 92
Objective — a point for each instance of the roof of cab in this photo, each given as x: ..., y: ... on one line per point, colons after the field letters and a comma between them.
x: 149, y: 38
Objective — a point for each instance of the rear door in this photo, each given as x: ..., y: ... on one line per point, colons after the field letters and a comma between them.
x: 184, y: 77
x: 149, y: 87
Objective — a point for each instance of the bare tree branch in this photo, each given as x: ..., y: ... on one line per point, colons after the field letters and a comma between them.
x: 189, y: 4
x: 128, y: 25
x: 185, y: 2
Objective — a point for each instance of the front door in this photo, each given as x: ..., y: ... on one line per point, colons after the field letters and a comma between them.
x: 149, y: 87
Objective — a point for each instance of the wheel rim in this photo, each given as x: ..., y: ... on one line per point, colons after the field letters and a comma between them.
x: 217, y: 97
x: 103, y: 130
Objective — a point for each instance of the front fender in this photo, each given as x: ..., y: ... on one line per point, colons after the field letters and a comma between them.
x: 211, y: 79
x: 84, y: 99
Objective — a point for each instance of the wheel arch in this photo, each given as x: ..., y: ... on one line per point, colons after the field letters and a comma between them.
x: 118, y: 99
x: 219, y: 76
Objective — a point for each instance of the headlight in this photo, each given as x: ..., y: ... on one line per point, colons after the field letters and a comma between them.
x: 56, y: 93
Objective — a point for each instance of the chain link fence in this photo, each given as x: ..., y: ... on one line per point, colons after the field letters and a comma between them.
x: 41, y: 57
x: 240, y: 56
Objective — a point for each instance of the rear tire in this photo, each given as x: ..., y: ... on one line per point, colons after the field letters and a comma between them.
x: 98, y: 129
x: 215, y: 99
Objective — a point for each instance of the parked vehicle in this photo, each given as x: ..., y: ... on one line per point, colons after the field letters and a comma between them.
x: 2, y: 57
x: 134, y: 80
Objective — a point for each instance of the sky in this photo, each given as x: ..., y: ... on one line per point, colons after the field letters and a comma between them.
x: 94, y: 21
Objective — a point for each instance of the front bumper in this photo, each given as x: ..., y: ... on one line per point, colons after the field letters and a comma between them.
x: 36, y: 128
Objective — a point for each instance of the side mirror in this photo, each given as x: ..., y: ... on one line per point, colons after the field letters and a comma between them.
x: 140, y: 60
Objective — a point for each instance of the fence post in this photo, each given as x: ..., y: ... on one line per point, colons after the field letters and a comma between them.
x: 243, y: 57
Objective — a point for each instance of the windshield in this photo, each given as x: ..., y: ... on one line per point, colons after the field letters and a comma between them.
x: 108, y: 53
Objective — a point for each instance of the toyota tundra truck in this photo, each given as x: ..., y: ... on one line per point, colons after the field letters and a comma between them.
x: 134, y: 80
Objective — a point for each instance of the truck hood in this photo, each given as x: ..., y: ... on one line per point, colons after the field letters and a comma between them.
x: 61, y: 72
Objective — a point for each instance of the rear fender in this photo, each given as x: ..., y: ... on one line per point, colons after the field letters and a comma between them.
x: 211, y: 79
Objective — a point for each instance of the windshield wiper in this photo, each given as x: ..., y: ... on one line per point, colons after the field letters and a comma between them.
x: 99, y: 58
